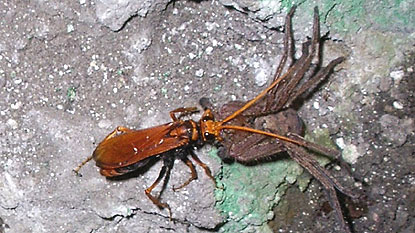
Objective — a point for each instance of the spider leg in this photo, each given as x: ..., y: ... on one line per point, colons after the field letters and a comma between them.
x: 301, y: 156
x: 315, y: 80
x: 331, y: 153
x: 289, y: 50
x: 303, y: 64
x: 282, y: 93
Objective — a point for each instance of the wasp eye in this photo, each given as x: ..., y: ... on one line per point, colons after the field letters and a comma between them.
x: 208, y: 136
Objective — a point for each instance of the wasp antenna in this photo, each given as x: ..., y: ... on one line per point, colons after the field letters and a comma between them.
x: 76, y: 170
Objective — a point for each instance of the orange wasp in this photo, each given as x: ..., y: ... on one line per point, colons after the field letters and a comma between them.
x: 125, y: 150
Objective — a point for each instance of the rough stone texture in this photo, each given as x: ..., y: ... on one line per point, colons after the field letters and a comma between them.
x: 115, y: 13
x: 396, y: 130
x: 66, y: 82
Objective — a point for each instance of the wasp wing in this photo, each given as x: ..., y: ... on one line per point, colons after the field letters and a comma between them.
x: 134, y: 146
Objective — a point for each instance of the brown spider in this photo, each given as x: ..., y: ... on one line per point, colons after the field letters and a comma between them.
x: 275, y: 113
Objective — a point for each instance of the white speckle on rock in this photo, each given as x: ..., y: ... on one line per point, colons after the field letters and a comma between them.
x: 397, y: 75
x: 199, y: 73
x: 70, y: 28
x: 16, y: 105
x: 209, y: 50
x: 316, y: 105
x: 142, y: 43
x: 104, y: 124
x: 397, y: 105
x: 93, y: 65
x: 238, y: 46
x: 261, y: 78
x: 192, y: 56
x: 18, y: 81
x: 210, y: 26
x: 350, y: 154
x: 340, y: 143
x: 12, y: 123
x: 186, y: 88
x: 262, y: 73
x: 290, y: 179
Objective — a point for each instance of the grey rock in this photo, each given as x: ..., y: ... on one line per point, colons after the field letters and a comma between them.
x: 396, y: 130
x: 114, y: 13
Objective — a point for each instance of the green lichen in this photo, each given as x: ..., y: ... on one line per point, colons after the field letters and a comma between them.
x: 386, y: 15
x: 250, y: 192
x: 321, y: 137
x: 217, y: 88
x: 71, y: 94
x: 351, y: 16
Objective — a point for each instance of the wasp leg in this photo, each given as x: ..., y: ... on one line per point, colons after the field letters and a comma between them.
x: 204, y: 166
x: 193, y: 174
x: 154, y: 199
x: 183, y: 111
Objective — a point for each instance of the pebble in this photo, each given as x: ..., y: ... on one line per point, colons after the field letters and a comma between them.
x: 12, y: 123
x: 16, y: 105
x: 104, y: 124
x: 316, y: 105
x: 397, y: 75
x: 397, y: 105
x: 199, y: 73
x: 2, y: 81
x: 209, y: 50
x: 261, y: 78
